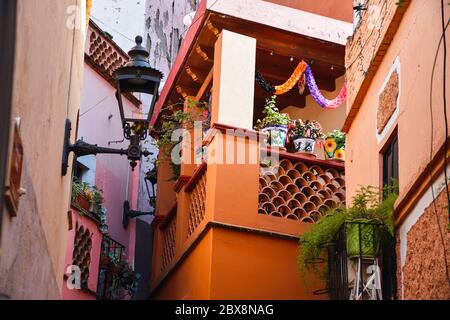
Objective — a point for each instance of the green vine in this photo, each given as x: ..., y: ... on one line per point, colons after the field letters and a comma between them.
x: 367, y: 205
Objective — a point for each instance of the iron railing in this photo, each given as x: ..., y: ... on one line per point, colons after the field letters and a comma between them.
x: 357, y: 273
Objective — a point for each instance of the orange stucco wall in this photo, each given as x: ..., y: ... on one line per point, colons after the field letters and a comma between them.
x: 336, y: 9
x: 191, y: 280
x: 228, y: 265
x: 48, y: 65
x: 240, y: 271
x: 420, y: 28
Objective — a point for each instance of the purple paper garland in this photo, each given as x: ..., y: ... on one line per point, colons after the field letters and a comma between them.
x: 317, y: 95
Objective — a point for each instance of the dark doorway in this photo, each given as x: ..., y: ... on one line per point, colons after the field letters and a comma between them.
x: 7, y: 45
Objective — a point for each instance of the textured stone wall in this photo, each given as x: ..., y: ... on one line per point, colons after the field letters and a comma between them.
x: 387, y: 102
x: 165, y: 30
x: 368, y: 45
x: 424, y: 273
x: 123, y: 19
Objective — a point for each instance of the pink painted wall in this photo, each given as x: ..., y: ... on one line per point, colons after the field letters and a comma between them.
x: 100, y: 124
x: 77, y: 221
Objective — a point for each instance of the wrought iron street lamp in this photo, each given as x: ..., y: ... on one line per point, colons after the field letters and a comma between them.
x: 136, y: 76
x: 128, y: 214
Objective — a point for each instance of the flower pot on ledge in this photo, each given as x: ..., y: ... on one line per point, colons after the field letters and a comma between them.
x: 276, y: 136
x: 83, y: 203
x: 304, y: 146
x: 334, y: 150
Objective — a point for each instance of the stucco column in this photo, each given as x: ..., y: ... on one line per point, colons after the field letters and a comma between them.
x: 234, y: 80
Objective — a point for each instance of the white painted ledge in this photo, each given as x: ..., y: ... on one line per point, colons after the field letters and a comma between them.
x: 285, y: 18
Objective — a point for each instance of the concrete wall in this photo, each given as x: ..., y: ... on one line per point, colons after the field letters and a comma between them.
x: 420, y: 27
x: 94, y: 266
x: 165, y: 30
x: 48, y: 78
x: 336, y: 9
x: 123, y: 19
x: 420, y: 250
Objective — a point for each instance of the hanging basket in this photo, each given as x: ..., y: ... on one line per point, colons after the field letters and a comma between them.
x: 362, y: 238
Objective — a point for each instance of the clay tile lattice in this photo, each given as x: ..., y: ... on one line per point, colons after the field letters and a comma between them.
x: 82, y: 253
x: 106, y: 55
x: 197, y: 205
x: 300, y: 192
x: 169, y: 235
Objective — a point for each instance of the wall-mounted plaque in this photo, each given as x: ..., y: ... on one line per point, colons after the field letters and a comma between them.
x: 14, y: 170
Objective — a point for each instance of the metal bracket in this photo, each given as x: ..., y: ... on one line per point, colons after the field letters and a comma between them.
x: 131, y: 214
x: 81, y: 148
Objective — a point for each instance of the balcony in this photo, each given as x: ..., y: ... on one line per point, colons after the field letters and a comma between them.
x: 116, y: 280
x: 229, y: 221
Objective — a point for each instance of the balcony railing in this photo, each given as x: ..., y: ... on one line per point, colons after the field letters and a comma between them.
x: 169, y: 230
x: 197, y: 199
x: 301, y: 190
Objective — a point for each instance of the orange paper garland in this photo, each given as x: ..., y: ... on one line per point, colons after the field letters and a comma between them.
x: 292, y: 81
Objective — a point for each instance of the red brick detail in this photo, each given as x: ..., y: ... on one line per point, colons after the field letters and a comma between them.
x: 424, y: 273
x: 387, y: 102
x: 366, y: 49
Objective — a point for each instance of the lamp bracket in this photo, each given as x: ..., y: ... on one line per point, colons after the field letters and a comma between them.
x: 81, y: 148
x: 131, y: 214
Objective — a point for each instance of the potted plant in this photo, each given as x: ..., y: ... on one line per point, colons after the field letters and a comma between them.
x: 305, y: 135
x: 97, y: 200
x: 81, y: 194
x: 361, y: 237
x: 334, y: 145
x: 275, y: 124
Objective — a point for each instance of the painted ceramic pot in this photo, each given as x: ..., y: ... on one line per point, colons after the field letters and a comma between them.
x: 276, y: 136
x: 333, y: 151
x: 304, y: 145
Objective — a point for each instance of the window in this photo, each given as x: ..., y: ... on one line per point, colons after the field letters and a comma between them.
x: 7, y: 41
x: 390, y: 163
x: 79, y: 170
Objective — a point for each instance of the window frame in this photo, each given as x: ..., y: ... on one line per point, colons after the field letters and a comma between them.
x: 8, y: 11
x: 390, y: 170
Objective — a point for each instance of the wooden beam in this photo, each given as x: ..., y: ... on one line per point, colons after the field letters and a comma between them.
x: 206, y: 53
x: 205, y: 85
x: 196, y: 74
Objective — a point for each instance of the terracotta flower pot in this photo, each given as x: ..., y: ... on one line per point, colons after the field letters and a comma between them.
x: 83, y: 203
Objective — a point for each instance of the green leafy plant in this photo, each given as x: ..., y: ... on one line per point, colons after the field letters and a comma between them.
x: 82, y: 189
x: 273, y: 116
x: 97, y: 199
x: 308, y: 129
x: 179, y: 119
x: 368, y: 206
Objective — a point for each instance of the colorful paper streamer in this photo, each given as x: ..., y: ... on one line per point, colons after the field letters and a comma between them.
x: 318, y: 96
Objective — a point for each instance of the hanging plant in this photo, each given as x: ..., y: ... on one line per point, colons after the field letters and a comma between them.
x: 179, y: 119
x: 367, y: 209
